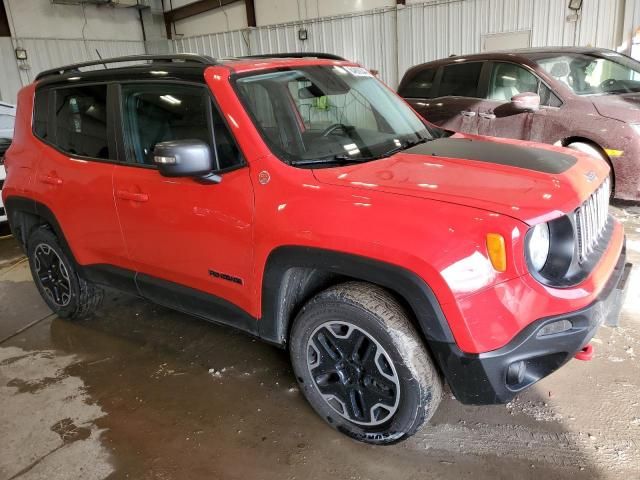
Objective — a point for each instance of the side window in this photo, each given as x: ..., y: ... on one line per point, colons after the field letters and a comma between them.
x: 547, y: 97
x: 420, y: 85
x: 41, y: 114
x: 81, y: 121
x: 155, y: 113
x: 508, y: 79
x: 460, y: 80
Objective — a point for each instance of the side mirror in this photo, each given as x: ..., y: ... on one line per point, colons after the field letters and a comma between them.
x: 526, y: 102
x: 185, y: 158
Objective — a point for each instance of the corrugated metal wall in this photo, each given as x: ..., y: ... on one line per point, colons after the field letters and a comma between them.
x: 369, y: 38
x: 45, y: 53
x: 216, y: 45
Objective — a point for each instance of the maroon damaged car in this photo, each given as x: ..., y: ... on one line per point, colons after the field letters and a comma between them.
x: 582, y: 98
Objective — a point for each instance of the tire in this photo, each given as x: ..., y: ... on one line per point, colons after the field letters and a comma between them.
x: 55, y: 276
x: 595, y: 152
x: 356, y: 341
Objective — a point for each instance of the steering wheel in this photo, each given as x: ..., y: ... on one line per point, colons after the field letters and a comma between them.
x: 332, y: 128
x: 608, y: 83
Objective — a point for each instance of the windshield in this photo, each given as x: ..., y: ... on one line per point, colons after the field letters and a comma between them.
x: 594, y: 73
x: 325, y: 114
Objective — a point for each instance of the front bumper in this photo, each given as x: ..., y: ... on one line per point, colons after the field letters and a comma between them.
x: 497, y: 376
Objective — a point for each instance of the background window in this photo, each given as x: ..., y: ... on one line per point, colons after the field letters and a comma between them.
x: 460, y: 80
x: 508, y: 80
x: 420, y: 85
x: 159, y: 113
x: 81, y: 121
x: 41, y: 114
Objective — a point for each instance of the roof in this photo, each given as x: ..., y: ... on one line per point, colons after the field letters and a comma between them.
x: 172, y: 65
x: 523, y: 55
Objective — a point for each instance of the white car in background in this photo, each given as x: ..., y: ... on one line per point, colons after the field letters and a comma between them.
x: 7, y: 120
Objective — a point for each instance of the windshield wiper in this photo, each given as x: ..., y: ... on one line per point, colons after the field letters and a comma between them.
x: 343, y: 159
x: 407, y: 144
x: 340, y: 159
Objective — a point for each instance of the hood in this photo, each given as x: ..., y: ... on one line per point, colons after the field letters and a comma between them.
x: 625, y: 108
x: 527, y: 181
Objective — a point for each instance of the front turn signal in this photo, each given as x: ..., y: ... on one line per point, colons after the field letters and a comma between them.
x: 497, y: 251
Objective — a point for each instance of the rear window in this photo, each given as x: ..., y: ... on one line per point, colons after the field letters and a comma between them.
x: 420, y: 85
x: 81, y: 121
x: 40, y: 114
x: 460, y: 80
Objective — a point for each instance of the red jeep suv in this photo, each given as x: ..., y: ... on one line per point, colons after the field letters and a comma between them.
x: 299, y: 199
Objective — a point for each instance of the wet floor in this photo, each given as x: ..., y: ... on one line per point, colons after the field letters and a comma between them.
x: 143, y: 392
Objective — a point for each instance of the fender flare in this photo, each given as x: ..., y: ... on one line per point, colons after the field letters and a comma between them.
x: 17, y: 204
x: 275, y: 321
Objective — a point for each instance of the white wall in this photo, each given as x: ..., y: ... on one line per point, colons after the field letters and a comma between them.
x: 41, y: 19
x: 228, y: 18
x: 269, y: 12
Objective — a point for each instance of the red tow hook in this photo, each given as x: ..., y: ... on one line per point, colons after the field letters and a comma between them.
x: 586, y: 353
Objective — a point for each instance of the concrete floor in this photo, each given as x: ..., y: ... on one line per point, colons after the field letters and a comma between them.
x: 143, y: 392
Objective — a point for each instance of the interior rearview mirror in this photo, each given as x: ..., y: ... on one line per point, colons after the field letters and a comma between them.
x: 526, y: 102
x: 185, y: 158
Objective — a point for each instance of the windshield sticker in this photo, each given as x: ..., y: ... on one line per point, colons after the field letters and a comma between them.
x: 358, y: 71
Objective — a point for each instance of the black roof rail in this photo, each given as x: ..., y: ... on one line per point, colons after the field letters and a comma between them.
x: 329, y: 56
x: 180, y: 57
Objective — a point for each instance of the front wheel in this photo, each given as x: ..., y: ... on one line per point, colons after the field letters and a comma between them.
x: 596, y: 153
x: 362, y: 366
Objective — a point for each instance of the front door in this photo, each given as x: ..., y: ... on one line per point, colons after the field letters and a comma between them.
x: 177, y: 230
x: 496, y: 115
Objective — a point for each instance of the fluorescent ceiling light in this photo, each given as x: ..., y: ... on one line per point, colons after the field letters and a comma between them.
x: 170, y: 99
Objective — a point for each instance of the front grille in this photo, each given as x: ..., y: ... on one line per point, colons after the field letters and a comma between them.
x: 591, y: 219
x: 2, y: 212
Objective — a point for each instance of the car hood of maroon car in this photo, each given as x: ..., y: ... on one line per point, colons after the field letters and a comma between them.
x: 528, y: 181
x: 624, y: 107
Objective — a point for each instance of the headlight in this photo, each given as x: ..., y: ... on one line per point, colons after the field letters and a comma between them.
x: 538, y: 246
x: 636, y: 127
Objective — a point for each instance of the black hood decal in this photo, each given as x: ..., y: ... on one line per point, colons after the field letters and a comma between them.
x: 537, y: 159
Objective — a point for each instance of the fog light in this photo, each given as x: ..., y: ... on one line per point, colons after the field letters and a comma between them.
x: 555, y: 327
x: 515, y: 373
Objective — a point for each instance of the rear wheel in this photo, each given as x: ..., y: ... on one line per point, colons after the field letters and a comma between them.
x: 68, y: 295
x: 362, y: 365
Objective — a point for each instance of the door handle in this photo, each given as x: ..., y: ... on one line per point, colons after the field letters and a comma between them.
x: 50, y: 179
x: 468, y: 113
x: 488, y: 116
x: 134, y: 197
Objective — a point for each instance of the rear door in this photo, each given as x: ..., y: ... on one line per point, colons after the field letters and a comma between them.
x: 454, y: 105
x: 496, y: 115
x: 74, y: 175
x: 177, y: 230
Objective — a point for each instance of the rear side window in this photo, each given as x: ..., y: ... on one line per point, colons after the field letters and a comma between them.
x: 162, y: 112
x: 420, y: 85
x: 81, y: 121
x: 460, y: 80
x: 41, y: 114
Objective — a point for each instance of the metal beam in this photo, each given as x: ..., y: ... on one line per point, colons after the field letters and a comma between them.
x: 195, y: 8
x: 251, y: 13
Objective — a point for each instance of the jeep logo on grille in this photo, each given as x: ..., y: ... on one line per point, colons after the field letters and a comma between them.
x: 591, y: 176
